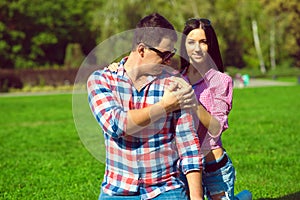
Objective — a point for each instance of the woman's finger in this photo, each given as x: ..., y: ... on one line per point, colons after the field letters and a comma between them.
x: 113, y: 67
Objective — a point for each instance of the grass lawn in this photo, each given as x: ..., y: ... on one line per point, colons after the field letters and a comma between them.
x: 263, y: 141
x: 42, y: 156
x: 291, y: 79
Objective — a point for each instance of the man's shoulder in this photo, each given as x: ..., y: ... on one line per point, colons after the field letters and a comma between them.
x: 104, y: 72
x: 101, y: 76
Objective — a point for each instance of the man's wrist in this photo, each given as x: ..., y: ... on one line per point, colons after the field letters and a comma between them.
x: 196, y: 198
x: 164, y: 106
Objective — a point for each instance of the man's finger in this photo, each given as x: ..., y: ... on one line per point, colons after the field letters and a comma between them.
x: 172, y: 87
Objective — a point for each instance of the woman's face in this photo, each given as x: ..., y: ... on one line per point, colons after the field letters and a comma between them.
x: 196, y: 46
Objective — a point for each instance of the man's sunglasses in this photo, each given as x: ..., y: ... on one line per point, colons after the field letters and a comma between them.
x: 205, y: 22
x: 166, y: 55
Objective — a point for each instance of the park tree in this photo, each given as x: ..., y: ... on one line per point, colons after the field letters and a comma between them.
x: 285, y: 29
x: 120, y: 16
x: 36, y: 33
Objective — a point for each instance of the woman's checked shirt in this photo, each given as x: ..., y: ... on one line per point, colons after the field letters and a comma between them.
x: 214, y: 91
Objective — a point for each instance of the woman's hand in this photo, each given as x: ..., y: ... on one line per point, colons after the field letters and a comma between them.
x: 185, y: 94
x: 113, y: 67
x: 179, y: 95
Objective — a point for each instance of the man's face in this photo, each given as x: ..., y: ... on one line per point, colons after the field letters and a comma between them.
x: 154, y: 61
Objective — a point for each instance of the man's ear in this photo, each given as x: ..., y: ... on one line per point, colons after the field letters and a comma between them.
x: 141, y: 49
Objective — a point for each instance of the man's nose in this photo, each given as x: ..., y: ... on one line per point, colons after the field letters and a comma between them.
x: 167, y: 62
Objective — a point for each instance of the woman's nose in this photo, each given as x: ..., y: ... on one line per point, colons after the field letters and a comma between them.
x: 198, y: 47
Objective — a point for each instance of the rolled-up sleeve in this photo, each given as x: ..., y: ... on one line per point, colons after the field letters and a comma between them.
x: 187, y: 142
x: 105, y: 106
x: 222, y: 101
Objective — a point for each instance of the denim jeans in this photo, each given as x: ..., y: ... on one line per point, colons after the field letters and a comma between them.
x: 176, y: 194
x: 221, y: 180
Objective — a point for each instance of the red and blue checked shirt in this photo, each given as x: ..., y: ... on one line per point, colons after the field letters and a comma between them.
x: 145, y: 164
x: 214, y: 91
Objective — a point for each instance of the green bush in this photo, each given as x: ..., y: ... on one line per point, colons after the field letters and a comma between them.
x: 9, y: 80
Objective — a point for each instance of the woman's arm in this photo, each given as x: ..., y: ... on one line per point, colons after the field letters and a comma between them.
x: 208, y: 120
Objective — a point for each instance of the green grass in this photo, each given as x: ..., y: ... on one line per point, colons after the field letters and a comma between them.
x: 293, y: 79
x: 263, y: 141
x: 42, y: 156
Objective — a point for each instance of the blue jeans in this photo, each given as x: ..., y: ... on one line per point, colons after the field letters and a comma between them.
x: 176, y: 194
x: 216, y: 182
x: 221, y: 180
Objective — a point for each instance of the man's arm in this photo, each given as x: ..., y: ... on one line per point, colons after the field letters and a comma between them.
x: 110, y: 113
x: 138, y: 119
x: 188, y: 146
x: 194, y: 179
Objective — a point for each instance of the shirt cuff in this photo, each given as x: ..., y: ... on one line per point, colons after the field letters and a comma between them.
x: 191, y: 164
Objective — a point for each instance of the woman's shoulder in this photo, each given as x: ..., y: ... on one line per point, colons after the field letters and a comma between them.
x: 222, y: 76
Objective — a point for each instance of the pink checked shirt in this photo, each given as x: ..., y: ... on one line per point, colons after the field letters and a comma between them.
x: 214, y: 91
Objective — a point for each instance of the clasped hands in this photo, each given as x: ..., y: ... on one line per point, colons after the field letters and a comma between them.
x: 178, y: 95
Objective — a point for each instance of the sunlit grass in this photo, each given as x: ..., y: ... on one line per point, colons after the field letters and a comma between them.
x: 42, y: 156
x: 263, y: 140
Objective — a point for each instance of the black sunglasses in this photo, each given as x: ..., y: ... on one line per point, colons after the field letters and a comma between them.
x: 166, y: 55
x: 205, y: 22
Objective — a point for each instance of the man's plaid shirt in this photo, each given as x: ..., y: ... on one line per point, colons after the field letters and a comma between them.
x: 147, y: 162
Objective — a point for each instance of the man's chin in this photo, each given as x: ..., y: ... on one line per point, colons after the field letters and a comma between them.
x: 158, y: 71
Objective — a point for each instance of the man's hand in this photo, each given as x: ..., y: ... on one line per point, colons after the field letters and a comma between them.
x: 179, y: 95
x: 185, y: 94
x: 169, y: 101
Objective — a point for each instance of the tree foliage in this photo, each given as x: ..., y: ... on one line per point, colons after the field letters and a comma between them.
x: 36, y: 33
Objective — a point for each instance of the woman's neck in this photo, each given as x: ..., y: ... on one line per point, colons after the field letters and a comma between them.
x: 194, y: 75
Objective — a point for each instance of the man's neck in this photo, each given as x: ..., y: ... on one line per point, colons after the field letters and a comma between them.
x: 133, y: 71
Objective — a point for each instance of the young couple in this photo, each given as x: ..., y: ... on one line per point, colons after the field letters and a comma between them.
x: 155, y: 120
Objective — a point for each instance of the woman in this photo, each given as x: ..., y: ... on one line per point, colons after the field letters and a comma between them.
x: 202, y: 67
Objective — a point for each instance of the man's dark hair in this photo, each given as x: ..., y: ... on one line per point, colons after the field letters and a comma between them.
x: 152, y: 29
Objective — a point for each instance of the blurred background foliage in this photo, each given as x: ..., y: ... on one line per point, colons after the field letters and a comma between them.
x: 36, y: 33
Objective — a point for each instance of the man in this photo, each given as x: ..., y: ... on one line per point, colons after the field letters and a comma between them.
x: 146, y: 133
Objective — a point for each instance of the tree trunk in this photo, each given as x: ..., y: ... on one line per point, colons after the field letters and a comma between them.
x: 257, y: 47
x: 272, y: 47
